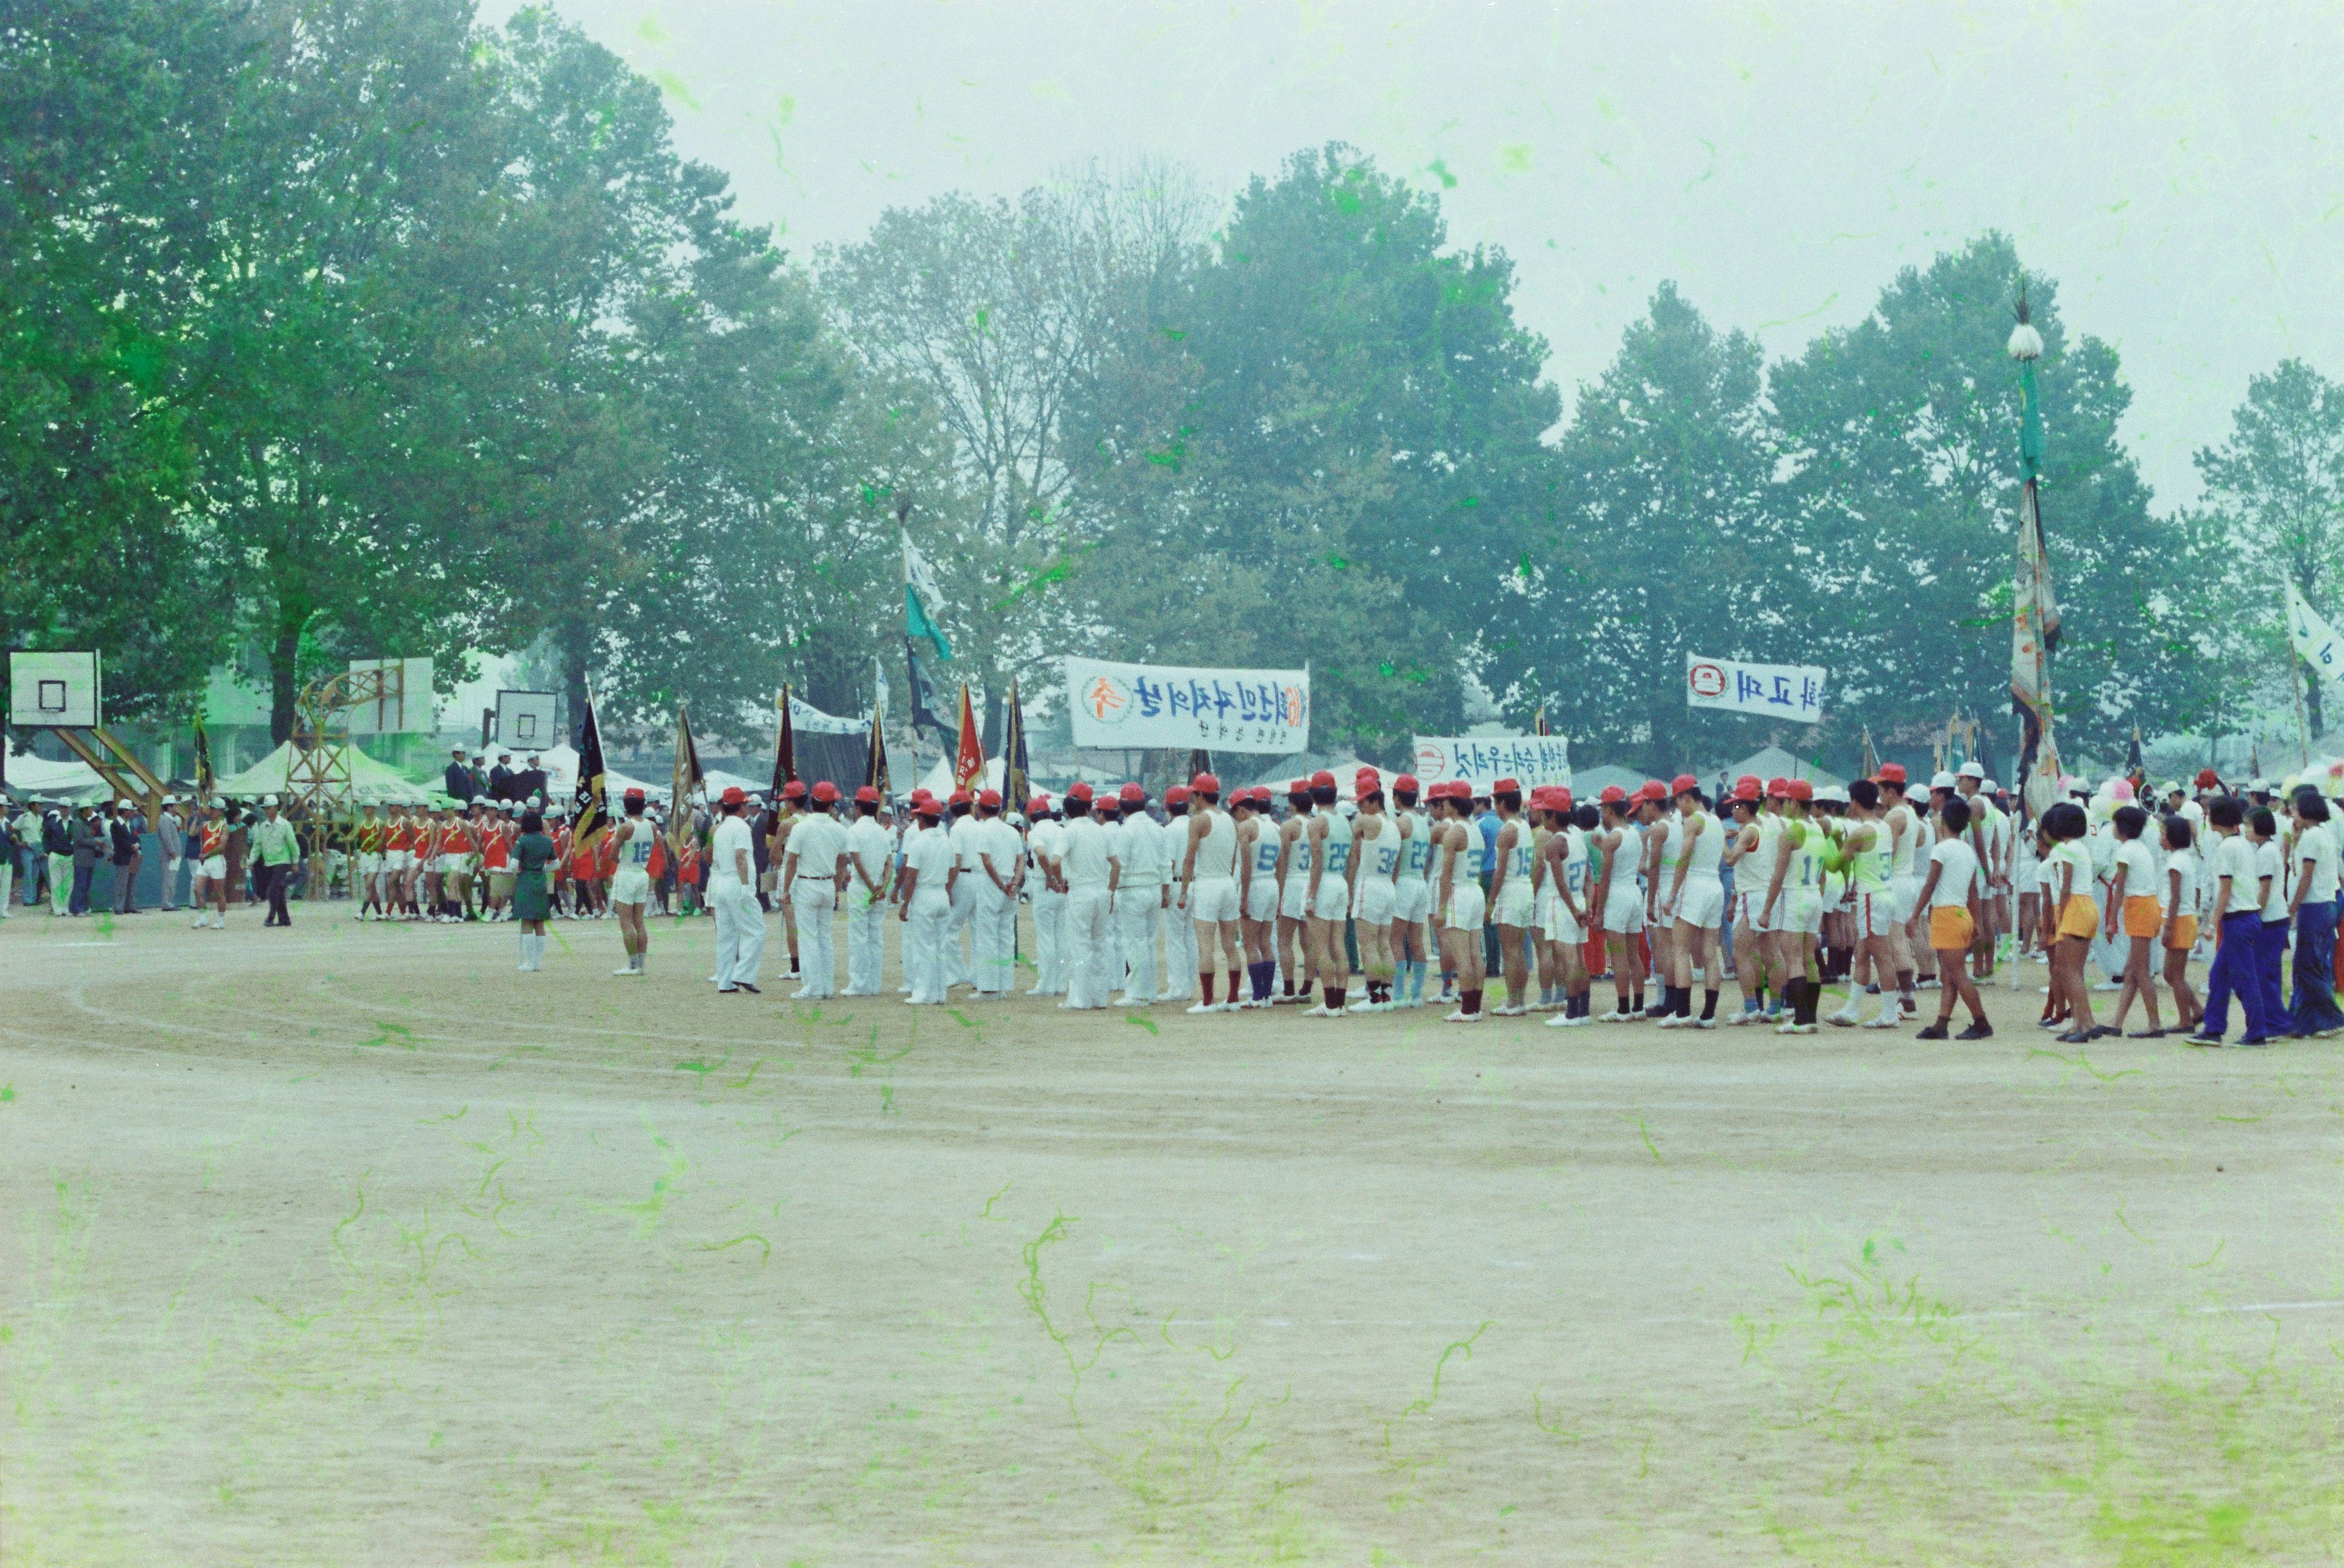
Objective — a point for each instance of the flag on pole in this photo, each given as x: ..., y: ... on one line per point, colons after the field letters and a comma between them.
x: 926, y: 710
x: 2035, y: 632
x: 1200, y: 760
x: 683, y: 781
x: 874, y: 765
x: 1871, y: 757
x: 2134, y: 770
x: 785, y: 748
x: 1541, y: 728
x: 921, y: 599
x: 879, y: 682
x: 586, y: 805
x: 1016, y: 774
x: 203, y: 760
x: 968, y: 762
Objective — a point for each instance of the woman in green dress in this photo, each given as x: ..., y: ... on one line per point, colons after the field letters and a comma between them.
x: 531, y: 855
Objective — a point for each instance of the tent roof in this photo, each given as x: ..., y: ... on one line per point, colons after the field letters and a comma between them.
x: 39, y: 779
x: 1774, y: 761
x: 370, y: 780
x: 1587, y: 783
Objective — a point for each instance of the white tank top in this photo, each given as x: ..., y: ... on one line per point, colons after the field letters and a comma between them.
x: 1672, y: 831
x: 1338, y: 844
x: 1379, y: 856
x: 1707, y: 849
x: 1216, y: 852
x: 1264, y: 847
x: 637, y: 850
x: 1299, y: 865
x: 1908, y: 847
x: 1414, y: 846
x: 1755, y: 872
x: 1518, y: 863
x: 1628, y: 863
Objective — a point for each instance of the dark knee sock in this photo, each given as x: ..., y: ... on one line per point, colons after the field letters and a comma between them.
x: 1708, y: 1004
x: 1469, y: 1001
x: 1205, y: 979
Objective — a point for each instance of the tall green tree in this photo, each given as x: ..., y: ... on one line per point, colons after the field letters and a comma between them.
x: 2274, y: 510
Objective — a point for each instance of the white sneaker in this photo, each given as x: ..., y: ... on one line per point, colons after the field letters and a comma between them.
x: 1883, y: 1019
x: 1617, y: 1016
x: 1508, y: 1012
x: 1845, y: 1018
x: 1320, y: 1011
x: 1794, y: 1028
x: 1735, y: 1020
x: 626, y: 971
x: 1562, y: 1021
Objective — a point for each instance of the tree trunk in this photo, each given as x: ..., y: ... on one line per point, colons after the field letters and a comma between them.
x: 573, y: 684
x: 996, y: 709
x: 283, y: 654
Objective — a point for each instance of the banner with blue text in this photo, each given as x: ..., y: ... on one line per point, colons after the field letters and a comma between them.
x: 1791, y: 691
x: 1170, y: 705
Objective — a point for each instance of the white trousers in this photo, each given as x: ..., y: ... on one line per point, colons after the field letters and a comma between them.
x: 740, y: 934
x: 992, y: 935
x: 815, y: 904
x: 7, y: 879
x: 1049, y: 943
x: 925, y: 931
x: 1138, y: 916
x: 1091, y: 964
x: 866, y: 941
x: 171, y: 881
x: 1179, y: 950
x: 957, y: 971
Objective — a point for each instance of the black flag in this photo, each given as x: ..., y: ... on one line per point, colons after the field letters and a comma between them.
x: 875, y: 767
x: 586, y: 806
x: 786, y: 750
x: 1016, y: 780
x: 203, y: 762
x: 924, y: 713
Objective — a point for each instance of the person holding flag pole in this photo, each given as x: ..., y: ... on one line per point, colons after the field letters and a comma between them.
x: 2035, y: 620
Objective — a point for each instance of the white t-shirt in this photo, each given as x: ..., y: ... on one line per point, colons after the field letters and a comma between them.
x: 732, y: 834
x: 1141, y: 851
x: 1084, y: 854
x: 929, y: 853
x: 2193, y: 896
x: 2315, y: 858
x: 963, y: 836
x: 2139, y: 868
x: 996, y: 840
x: 817, y: 842
x: 2234, y: 857
x: 867, y: 842
x: 2271, y: 863
x: 1046, y: 841
x: 1958, y: 868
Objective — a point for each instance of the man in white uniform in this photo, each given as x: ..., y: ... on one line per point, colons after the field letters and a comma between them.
x: 1140, y: 896
x: 963, y: 828
x: 1045, y: 839
x: 631, y: 885
x: 925, y: 908
x: 1208, y: 885
x: 733, y: 897
x: 810, y: 879
x: 1088, y: 865
x: 1179, y: 923
x: 993, y: 930
x: 868, y: 856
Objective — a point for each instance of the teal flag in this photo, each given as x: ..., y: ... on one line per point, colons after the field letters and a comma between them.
x: 922, y: 601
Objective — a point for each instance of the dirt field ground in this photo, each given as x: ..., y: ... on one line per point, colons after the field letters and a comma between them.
x: 347, y: 1244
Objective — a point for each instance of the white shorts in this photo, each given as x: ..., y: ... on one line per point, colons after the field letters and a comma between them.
x: 1876, y: 913
x: 450, y: 864
x: 1516, y: 904
x: 631, y: 885
x: 398, y: 860
x: 1556, y: 924
x: 1411, y: 899
x: 1623, y: 911
x: 1664, y: 907
x: 370, y: 864
x: 214, y: 867
x: 1334, y: 898
x: 1376, y: 897
x: 1213, y: 900
x: 1702, y: 903
x: 1467, y: 902
x: 1905, y: 891
x: 1297, y: 888
x: 1805, y: 914
x: 1749, y: 908
x: 1261, y: 898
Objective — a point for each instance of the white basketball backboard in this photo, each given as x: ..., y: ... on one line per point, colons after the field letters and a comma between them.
x: 407, y: 707
x: 56, y: 691
x: 525, y: 721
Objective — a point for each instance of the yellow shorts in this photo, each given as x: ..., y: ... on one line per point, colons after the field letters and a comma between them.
x: 1951, y: 929
x: 2143, y: 917
x: 2079, y: 917
x: 2185, y: 933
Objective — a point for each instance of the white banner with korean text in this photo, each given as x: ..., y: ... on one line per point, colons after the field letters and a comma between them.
x: 1170, y: 705
x: 1791, y: 691
x: 1482, y: 759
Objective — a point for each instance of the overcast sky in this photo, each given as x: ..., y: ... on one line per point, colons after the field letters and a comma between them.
x: 2176, y: 167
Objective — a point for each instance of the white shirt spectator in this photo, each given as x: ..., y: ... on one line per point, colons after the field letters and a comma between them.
x: 2140, y: 870
x: 1958, y: 868
x: 2235, y: 858
x: 1085, y: 852
x: 732, y: 834
x: 2315, y: 858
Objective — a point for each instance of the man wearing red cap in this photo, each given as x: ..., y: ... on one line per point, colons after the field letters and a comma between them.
x: 926, y: 909
x: 810, y: 886
x: 785, y: 814
x: 733, y: 897
x: 1294, y: 953
x: 1412, y: 894
x: 1141, y: 896
x: 1088, y: 863
x: 1328, y: 900
x: 1208, y: 885
x: 1375, y: 852
x: 993, y: 924
x: 1513, y: 896
x: 1790, y: 907
x: 1910, y: 840
x: 1257, y: 855
x: 1617, y: 850
x: 1457, y: 902
x: 1753, y: 850
x: 868, y: 857
x: 631, y: 885
x: 1180, y: 952
x: 1045, y: 885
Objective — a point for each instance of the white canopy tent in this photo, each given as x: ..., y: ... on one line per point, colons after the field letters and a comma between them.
x: 75, y: 780
x: 370, y: 780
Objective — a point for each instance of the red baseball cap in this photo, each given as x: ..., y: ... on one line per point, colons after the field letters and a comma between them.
x: 931, y: 807
x: 1684, y: 783
x: 1207, y: 783
x: 825, y: 791
x: 1561, y: 797
x: 793, y: 790
x: 962, y: 797
x: 1777, y: 788
x: 1507, y: 786
x: 1038, y: 806
x: 1747, y: 787
x: 2209, y: 779
x: 922, y: 794
x: 1406, y: 785
x: 1299, y: 786
x: 632, y: 794
x: 733, y: 796
x: 1079, y: 790
x: 867, y: 795
x: 1322, y: 779
x: 1132, y: 794
x: 1653, y: 789
x: 1890, y: 772
x: 1612, y: 795
x: 1801, y: 790
x: 1176, y: 795
x: 988, y: 797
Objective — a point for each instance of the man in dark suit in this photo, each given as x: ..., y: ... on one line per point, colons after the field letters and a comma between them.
x: 125, y: 831
x: 458, y: 780
x: 500, y: 778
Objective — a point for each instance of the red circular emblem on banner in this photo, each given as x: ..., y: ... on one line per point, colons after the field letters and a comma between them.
x: 1707, y: 681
